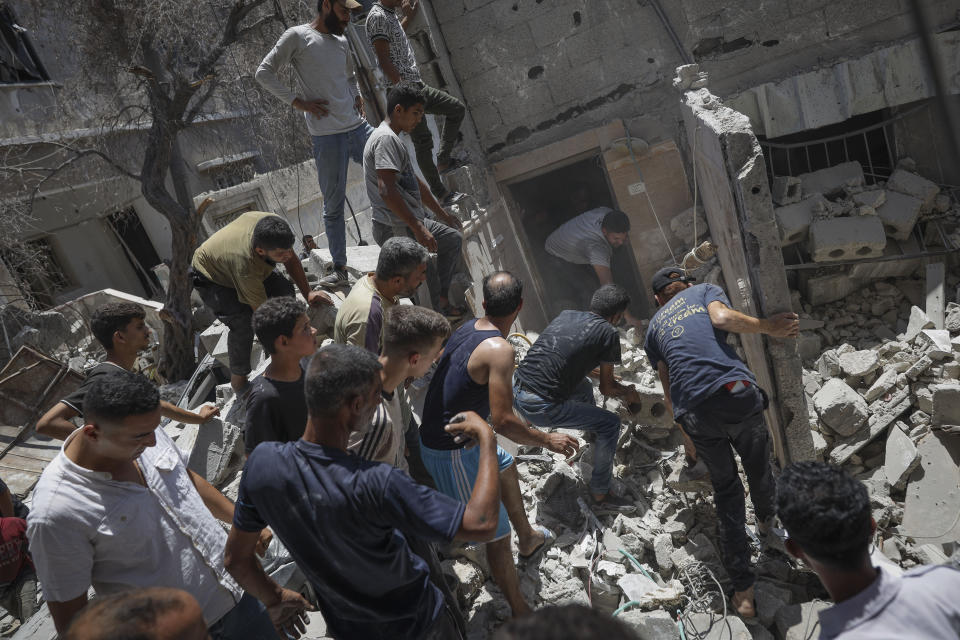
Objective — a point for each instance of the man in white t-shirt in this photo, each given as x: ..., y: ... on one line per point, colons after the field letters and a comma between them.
x: 330, y: 100
x: 118, y: 509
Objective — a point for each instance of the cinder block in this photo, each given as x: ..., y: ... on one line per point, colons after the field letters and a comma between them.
x: 913, y: 185
x: 794, y: 220
x: 832, y: 180
x: 899, y: 214
x: 847, y: 238
x: 786, y: 190
x: 946, y: 404
x: 829, y: 288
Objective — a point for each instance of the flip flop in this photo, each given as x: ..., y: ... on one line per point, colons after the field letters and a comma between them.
x: 549, y: 537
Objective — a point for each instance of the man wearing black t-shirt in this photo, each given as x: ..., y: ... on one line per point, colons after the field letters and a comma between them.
x: 551, y: 389
x: 276, y: 409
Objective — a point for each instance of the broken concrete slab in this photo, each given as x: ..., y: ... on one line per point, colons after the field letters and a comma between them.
x: 899, y: 214
x: 946, y: 405
x: 656, y: 625
x: 832, y: 180
x: 712, y: 627
x: 798, y: 621
x: 857, y: 364
x: 884, y: 383
x: 769, y: 600
x: 840, y: 407
x: 217, y: 450
x: 901, y: 456
x: 819, y: 290
x: 786, y: 190
x: 873, y: 198
x: 918, y: 322
x: 906, y: 182
x: 829, y: 364
x: 882, y: 414
x: 918, y: 368
x: 794, y: 220
x: 933, y: 491
x: 846, y: 239
x: 361, y: 260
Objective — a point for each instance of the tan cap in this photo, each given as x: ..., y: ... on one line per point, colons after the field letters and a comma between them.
x: 352, y: 4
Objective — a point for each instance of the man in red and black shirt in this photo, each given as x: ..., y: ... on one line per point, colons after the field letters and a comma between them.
x: 18, y: 579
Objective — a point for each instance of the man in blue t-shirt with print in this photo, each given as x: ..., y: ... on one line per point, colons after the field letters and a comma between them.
x: 716, y: 400
x: 345, y: 519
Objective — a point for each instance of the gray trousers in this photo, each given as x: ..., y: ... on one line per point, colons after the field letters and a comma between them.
x: 439, y: 271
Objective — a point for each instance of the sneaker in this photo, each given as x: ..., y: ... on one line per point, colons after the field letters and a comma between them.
x: 337, y: 278
x: 452, y: 197
x: 614, y: 503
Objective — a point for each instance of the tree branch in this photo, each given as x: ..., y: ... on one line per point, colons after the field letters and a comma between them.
x: 78, y: 155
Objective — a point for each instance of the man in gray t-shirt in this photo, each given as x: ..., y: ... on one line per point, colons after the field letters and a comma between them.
x: 398, y: 196
x: 580, y: 251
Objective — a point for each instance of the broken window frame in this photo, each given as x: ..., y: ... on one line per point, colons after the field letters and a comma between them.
x: 38, y: 270
x: 19, y: 62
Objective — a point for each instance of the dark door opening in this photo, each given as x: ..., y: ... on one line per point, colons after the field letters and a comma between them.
x: 137, y: 247
x: 547, y: 201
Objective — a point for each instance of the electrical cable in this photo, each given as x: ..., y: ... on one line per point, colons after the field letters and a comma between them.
x: 360, y: 242
x: 646, y: 192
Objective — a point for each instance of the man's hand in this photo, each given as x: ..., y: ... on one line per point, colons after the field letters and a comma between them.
x: 264, y: 541
x: 358, y: 105
x: 783, y: 325
x: 318, y: 297
x: 208, y: 413
x: 317, y: 107
x: 562, y: 444
x: 424, y: 237
x: 451, y: 220
x: 409, y: 7
x: 468, y: 426
x: 289, y: 614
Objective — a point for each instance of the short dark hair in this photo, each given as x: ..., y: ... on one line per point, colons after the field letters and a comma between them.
x: 131, y: 615
x: 114, y: 396
x: 272, y: 232
x: 502, y: 293
x: 399, y: 256
x: 337, y: 374
x: 570, y: 622
x: 276, y: 317
x: 826, y: 512
x: 404, y: 95
x: 609, y: 300
x: 411, y: 329
x: 111, y: 317
x: 616, y: 221
x: 306, y: 237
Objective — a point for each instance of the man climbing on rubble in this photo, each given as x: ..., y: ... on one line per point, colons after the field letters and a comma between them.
x: 121, y: 328
x: 716, y: 400
x: 330, y: 99
x: 344, y: 519
x: 387, y: 33
x: 580, y: 251
x: 233, y: 271
x: 401, y: 268
x: 829, y: 525
x: 118, y: 509
x: 474, y: 375
x: 276, y: 410
x: 398, y: 196
x: 551, y: 387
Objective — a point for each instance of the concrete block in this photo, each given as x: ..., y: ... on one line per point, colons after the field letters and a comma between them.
x: 936, y: 343
x: 846, y: 238
x: 217, y: 451
x: 795, y: 621
x: 810, y: 345
x: 857, y: 364
x: 786, y: 190
x: 829, y: 288
x: 883, y: 413
x: 917, y: 323
x: 932, y: 499
x: 832, y: 180
x: 794, y: 220
x: 883, y: 384
x: 713, y: 627
x: 829, y: 364
x: 911, y: 184
x: 946, y: 405
x: 918, y: 368
x: 651, y: 624
x: 840, y: 407
x: 899, y: 214
x: 873, y: 198
x: 900, y: 458
x: 769, y: 600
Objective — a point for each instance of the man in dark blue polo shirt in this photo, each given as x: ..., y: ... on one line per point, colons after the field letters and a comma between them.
x: 344, y: 519
x: 716, y: 400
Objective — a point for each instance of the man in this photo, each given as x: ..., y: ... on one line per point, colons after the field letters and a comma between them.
x: 309, y: 244
x: 276, y: 410
x: 401, y: 268
x: 551, y: 388
x: 827, y: 517
x: 120, y: 328
x: 581, y: 248
x: 233, y: 271
x: 118, y: 508
x: 341, y: 517
x: 398, y: 196
x: 474, y: 375
x: 155, y: 613
x: 386, y: 32
x: 18, y: 578
x: 716, y: 400
x: 330, y: 100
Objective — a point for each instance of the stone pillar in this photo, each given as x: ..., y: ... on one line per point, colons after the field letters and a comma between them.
x: 732, y: 181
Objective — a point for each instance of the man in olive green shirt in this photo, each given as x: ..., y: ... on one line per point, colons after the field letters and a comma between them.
x: 233, y: 271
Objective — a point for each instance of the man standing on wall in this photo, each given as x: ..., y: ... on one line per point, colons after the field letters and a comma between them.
x: 386, y: 32
x: 330, y: 100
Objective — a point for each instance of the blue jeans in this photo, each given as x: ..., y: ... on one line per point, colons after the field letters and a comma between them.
x: 576, y: 412
x: 247, y: 620
x: 332, y: 153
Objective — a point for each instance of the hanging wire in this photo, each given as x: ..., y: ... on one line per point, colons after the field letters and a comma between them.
x: 646, y: 192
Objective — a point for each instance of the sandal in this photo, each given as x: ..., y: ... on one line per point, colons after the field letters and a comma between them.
x: 549, y: 537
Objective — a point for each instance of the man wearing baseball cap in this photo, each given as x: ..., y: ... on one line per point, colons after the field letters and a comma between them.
x: 715, y: 398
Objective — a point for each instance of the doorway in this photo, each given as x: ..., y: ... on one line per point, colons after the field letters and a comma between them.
x: 137, y: 247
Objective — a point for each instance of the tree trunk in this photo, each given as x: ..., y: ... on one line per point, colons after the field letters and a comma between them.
x: 177, y: 361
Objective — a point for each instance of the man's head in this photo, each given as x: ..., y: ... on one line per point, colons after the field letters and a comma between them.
x: 402, y: 266
x: 120, y: 325
x: 154, y: 613
x: 827, y: 516
x: 343, y: 386
x: 416, y: 335
x: 569, y: 622
x: 336, y: 14
x: 309, y: 243
x: 615, y: 228
x: 283, y: 326
x: 273, y: 239
x: 668, y: 282
x: 502, y: 294
x: 405, y: 107
x: 121, y: 411
x: 609, y: 302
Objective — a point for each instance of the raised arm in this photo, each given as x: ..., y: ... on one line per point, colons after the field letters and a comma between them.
x: 56, y: 423
x: 204, y: 415
x: 781, y: 325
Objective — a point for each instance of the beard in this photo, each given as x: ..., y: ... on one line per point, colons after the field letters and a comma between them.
x: 333, y: 24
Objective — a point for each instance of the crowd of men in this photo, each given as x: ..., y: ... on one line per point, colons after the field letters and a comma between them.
x: 361, y: 489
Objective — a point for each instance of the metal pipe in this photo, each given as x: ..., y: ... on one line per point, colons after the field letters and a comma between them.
x: 687, y: 59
